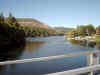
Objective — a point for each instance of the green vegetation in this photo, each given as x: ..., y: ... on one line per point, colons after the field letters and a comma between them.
x: 62, y: 30
x: 78, y: 42
x: 37, y: 31
x: 73, y: 33
x: 90, y: 30
x: 10, y: 31
x: 97, y: 38
x: 75, y: 42
x: 86, y: 30
x: 82, y: 31
x: 84, y: 43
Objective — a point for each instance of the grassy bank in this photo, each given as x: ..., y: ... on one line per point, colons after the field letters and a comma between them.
x: 97, y: 38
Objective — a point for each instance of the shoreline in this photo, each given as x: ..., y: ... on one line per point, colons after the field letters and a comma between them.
x: 89, y: 38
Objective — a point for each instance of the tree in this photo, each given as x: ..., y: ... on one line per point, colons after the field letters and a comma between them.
x: 81, y: 30
x: 90, y: 29
x: 1, y: 18
x: 73, y: 34
x: 11, y: 20
x: 8, y: 34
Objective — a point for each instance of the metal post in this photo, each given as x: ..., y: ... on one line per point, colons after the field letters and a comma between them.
x: 93, y: 59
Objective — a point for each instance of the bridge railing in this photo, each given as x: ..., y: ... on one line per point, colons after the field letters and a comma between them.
x: 92, y: 57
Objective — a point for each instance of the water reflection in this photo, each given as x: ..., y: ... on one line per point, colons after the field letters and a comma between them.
x: 36, y: 48
x: 14, y: 52
x: 77, y: 42
x: 98, y: 45
x: 85, y: 43
x: 32, y: 46
x: 11, y: 52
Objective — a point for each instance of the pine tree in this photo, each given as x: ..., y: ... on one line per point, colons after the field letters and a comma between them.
x: 12, y: 21
x: 1, y: 18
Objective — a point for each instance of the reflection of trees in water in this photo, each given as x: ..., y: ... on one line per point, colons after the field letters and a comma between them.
x: 91, y: 44
x: 31, y: 46
x: 77, y: 42
x: 98, y: 45
x: 85, y: 43
x: 12, y: 51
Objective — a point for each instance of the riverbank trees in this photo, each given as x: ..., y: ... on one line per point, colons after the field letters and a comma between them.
x: 11, y: 30
x: 87, y: 32
x: 37, y: 31
x: 83, y: 30
x: 73, y: 34
x: 90, y: 30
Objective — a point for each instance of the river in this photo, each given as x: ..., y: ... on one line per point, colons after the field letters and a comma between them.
x: 42, y: 47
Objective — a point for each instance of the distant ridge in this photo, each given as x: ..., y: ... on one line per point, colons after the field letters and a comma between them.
x: 63, y: 29
x: 31, y: 22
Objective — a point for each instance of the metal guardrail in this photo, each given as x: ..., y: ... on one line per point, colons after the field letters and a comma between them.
x: 92, y: 62
x: 46, y: 58
x: 78, y: 71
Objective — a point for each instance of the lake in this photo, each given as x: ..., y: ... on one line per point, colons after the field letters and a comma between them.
x: 42, y: 47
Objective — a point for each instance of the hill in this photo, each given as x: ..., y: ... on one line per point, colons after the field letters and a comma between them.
x: 62, y: 30
x: 31, y: 22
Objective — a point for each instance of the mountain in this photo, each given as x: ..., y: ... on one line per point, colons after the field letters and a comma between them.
x: 31, y: 22
x: 62, y: 30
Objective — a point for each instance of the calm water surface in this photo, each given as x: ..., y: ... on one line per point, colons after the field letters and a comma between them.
x: 42, y: 47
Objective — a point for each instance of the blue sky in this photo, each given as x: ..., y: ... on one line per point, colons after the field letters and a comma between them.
x: 67, y: 13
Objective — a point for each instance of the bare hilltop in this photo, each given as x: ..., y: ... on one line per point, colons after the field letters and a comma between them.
x: 31, y: 22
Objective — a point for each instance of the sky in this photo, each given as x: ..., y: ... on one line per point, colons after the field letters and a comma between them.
x: 67, y: 13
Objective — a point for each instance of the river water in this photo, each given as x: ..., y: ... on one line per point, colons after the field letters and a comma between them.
x: 42, y: 47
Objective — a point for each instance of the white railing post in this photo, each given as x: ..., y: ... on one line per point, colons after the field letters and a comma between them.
x: 93, y: 59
